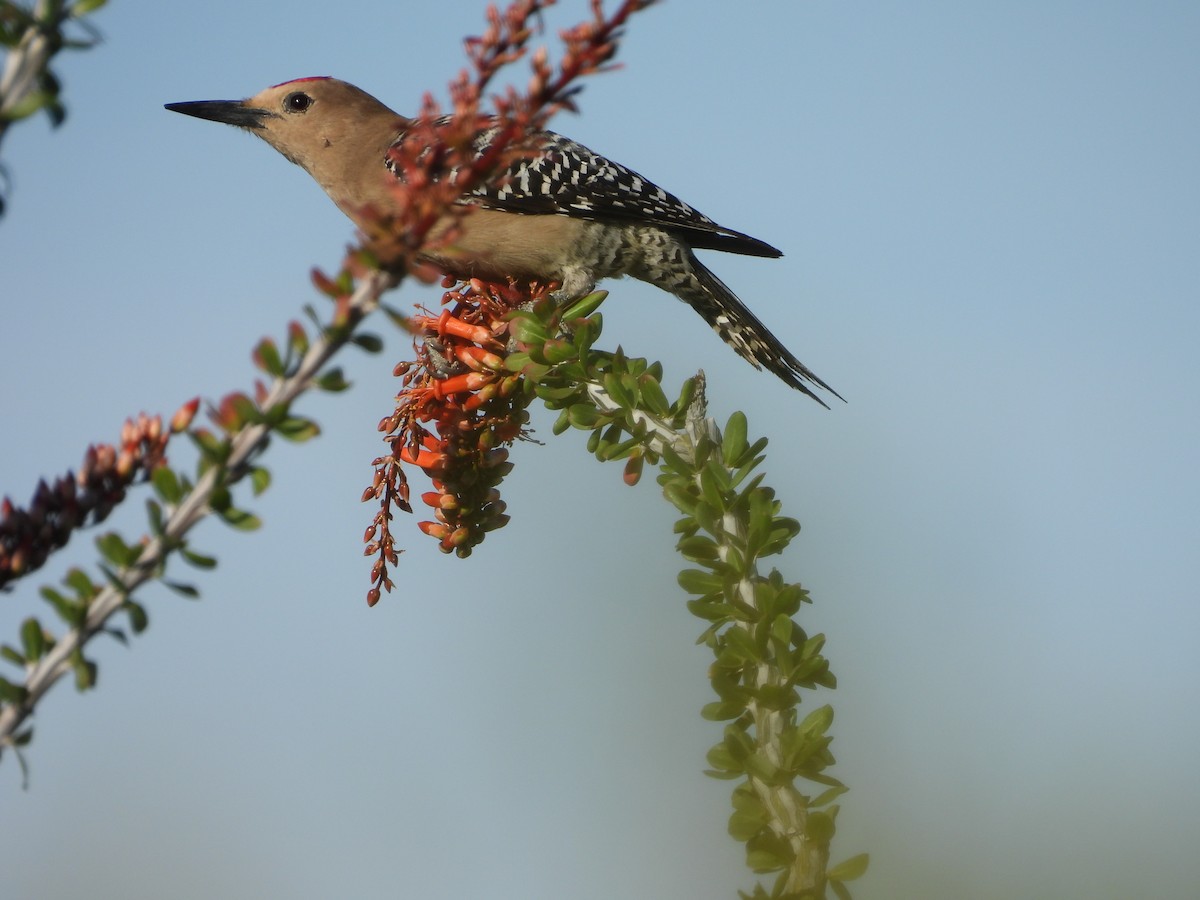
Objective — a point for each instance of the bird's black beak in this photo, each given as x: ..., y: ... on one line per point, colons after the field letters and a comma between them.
x: 230, y: 112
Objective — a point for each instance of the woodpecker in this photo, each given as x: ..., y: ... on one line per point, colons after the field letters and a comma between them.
x: 559, y: 213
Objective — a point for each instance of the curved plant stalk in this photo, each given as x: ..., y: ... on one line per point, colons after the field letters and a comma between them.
x: 225, y: 462
x: 763, y: 657
x: 518, y: 345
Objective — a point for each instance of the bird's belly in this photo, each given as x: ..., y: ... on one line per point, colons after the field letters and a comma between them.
x: 503, y: 245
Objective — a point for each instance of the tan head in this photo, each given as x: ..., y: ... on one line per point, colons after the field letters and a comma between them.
x: 335, y: 131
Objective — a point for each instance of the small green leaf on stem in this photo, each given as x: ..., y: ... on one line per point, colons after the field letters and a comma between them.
x: 12, y: 693
x: 849, y: 869
x: 298, y: 429
x: 260, y: 479
x: 199, y: 560
x: 166, y: 485
x: 240, y: 519
x: 33, y: 639
x: 733, y: 442
x: 266, y: 357
x: 584, y: 306
x: 372, y: 343
x: 332, y: 380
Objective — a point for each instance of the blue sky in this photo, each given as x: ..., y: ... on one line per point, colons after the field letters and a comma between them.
x: 990, y: 221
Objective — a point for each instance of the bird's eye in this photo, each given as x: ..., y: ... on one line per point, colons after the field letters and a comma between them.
x: 297, y: 102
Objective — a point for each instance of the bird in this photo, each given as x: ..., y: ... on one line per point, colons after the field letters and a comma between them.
x: 559, y: 212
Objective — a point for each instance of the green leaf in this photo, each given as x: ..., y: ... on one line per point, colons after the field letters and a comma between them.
x: 552, y: 394
x: 618, y: 388
x: 517, y: 361
x: 397, y: 318
x: 332, y: 380
x: 33, y: 639
x: 707, y: 516
x: 742, y: 826
x: 138, y: 619
x: 528, y: 330
x: 154, y: 514
x: 652, y: 395
x: 70, y: 611
x: 741, y: 472
x: 722, y: 710
x: 680, y: 496
x: 185, y: 590
x: 715, y: 484
x: 722, y: 760
x: 372, y: 343
x: 817, y: 721
x: 744, y: 799
x: 240, y: 519
x: 698, y: 548
x: 199, y: 560
x: 166, y: 485
x: 585, y: 333
x: 267, y: 358
x: 9, y: 653
x: 78, y: 581
x: 766, y: 852
x: 820, y: 827
x: 828, y: 796
x: 584, y: 306
x: 83, y: 7
x: 260, y: 479
x: 113, y: 581
x: 298, y: 429
x: 214, y: 449
x: 843, y: 892
x: 738, y: 743
x: 584, y: 416
x: 762, y: 768
x: 623, y: 449
x: 743, y: 645
x: 244, y: 410
x: 687, y: 392
x: 29, y: 104
x: 716, y: 611
x: 722, y: 775
x: 700, y: 581
x: 812, y: 647
x: 776, y: 697
x: 733, y: 442
x: 85, y: 671
x: 562, y: 423
x: 12, y: 693
x: 116, y: 551
x: 781, y: 629
x: 558, y: 351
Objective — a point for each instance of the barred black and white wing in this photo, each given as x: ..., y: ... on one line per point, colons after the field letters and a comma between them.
x: 563, y: 177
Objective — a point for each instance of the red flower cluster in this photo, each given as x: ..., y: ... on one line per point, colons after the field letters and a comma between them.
x: 457, y: 412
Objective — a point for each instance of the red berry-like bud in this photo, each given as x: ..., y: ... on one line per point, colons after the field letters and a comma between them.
x: 434, y: 529
x: 126, y: 464
x: 184, y: 415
